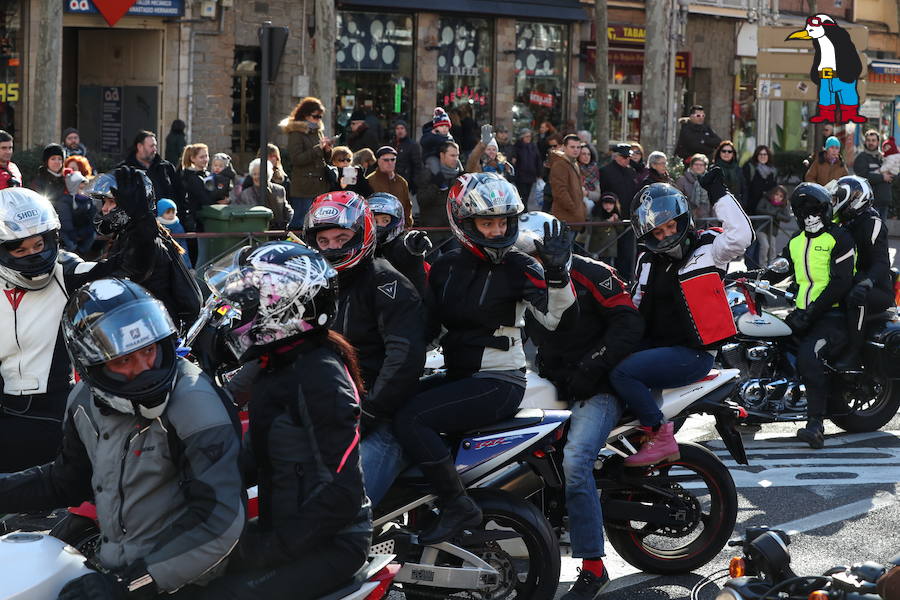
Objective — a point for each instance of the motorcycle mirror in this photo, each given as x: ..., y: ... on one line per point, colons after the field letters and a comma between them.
x: 779, y: 265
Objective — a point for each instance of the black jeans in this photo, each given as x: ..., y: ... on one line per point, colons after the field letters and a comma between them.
x: 452, y: 406
x: 327, y: 569
x: 30, y: 430
x: 824, y: 339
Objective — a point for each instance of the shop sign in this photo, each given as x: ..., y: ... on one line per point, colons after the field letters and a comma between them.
x: 113, y: 10
x: 884, y: 72
x: 870, y: 109
x: 626, y: 34
x: 9, y: 92
x: 541, y: 99
x: 111, y: 121
x: 636, y: 57
x: 465, y: 93
x: 370, y: 42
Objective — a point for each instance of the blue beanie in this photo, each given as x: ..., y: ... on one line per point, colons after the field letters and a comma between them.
x: 164, y: 204
x: 832, y: 141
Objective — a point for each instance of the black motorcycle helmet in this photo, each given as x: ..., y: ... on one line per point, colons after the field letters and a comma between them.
x: 811, y: 204
x: 851, y: 196
x: 657, y: 204
x: 109, y: 318
x: 133, y: 192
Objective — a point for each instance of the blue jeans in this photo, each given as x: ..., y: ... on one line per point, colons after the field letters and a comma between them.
x: 301, y: 207
x: 382, y: 460
x: 657, y: 368
x: 591, y: 422
x: 835, y: 91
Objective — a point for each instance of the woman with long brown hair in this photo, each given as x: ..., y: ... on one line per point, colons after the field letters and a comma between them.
x: 310, y: 152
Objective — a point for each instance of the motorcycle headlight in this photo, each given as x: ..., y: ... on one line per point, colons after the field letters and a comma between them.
x: 729, y: 594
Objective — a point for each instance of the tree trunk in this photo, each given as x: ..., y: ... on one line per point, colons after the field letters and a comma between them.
x: 322, y: 84
x: 601, y: 77
x: 657, y: 64
x: 45, y: 87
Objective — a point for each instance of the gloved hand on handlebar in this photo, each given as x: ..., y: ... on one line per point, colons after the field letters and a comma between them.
x: 587, y: 374
x: 799, y: 321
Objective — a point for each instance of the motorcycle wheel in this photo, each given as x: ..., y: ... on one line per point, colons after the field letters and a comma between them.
x: 532, y: 576
x: 81, y: 533
x: 711, y: 511
x: 871, y: 399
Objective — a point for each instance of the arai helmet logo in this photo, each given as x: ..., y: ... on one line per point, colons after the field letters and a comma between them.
x: 326, y: 212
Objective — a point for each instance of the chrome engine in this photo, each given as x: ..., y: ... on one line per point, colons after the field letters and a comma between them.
x: 761, y: 387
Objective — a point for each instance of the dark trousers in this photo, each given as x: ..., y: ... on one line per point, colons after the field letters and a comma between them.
x: 877, y: 301
x: 327, y: 569
x: 30, y: 430
x: 452, y: 406
x: 524, y: 190
x: 824, y: 339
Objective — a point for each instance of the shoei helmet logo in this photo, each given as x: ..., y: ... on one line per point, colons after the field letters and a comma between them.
x: 326, y: 212
x: 27, y: 214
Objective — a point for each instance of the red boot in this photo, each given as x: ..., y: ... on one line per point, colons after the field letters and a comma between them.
x: 851, y: 113
x: 660, y: 446
x: 825, y: 114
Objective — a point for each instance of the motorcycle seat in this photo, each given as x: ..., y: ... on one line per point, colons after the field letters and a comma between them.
x: 524, y: 418
x: 881, y: 317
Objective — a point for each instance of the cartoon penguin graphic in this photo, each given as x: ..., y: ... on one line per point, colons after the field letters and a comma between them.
x: 835, y: 69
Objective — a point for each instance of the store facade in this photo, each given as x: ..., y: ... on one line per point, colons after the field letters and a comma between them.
x: 12, y: 44
x: 882, y: 105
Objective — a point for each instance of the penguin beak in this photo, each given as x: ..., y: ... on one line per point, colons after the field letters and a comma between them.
x: 799, y: 35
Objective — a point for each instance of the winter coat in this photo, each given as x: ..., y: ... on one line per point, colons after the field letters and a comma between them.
x: 756, y: 185
x: 304, y: 437
x: 873, y: 259
x: 49, y: 185
x: 528, y: 163
x: 568, y: 195
x: 780, y: 214
x: 654, y: 177
x: 821, y: 171
x: 76, y: 219
x: 282, y: 213
x: 698, y: 198
x: 695, y: 139
x: 411, y: 266
x: 641, y: 171
x: 409, y: 161
x: 398, y: 186
x: 175, y: 143
x: 619, y: 181
x: 177, y: 509
x: 431, y: 143
x: 362, y: 138
x: 432, y: 197
x: 166, y: 183
x: 196, y: 196
x: 380, y: 312
x: 590, y: 179
x: 866, y: 165
x: 479, y: 163
x: 734, y: 180
x: 603, y: 238
x: 308, y: 159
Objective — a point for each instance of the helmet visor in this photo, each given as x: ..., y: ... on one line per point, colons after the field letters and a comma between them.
x: 121, y: 331
x: 650, y: 213
x: 491, y: 197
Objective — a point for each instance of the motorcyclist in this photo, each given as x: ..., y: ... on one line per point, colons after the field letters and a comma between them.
x: 821, y: 260
x: 380, y: 313
x: 578, y: 357
x: 314, y: 526
x: 482, y: 292
x: 405, y: 250
x: 148, y: 439
x: 127, y: 213
x: 680, y: 293
x: 872, y: 290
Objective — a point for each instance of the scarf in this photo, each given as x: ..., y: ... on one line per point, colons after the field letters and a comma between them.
x: 765, y: 171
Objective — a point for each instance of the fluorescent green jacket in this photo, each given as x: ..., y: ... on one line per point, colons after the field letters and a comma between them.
x: 822, y: 266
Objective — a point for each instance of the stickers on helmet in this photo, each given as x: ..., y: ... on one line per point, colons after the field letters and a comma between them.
x: 135, y: 336
x: 326, y: 212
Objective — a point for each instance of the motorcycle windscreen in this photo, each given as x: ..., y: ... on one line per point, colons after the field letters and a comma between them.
x: 705, y: 296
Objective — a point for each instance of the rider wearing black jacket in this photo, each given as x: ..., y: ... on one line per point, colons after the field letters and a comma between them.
x: 872, y: 290
x: 405, y: 250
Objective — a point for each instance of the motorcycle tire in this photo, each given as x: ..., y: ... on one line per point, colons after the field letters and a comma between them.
x: 506, y: 511
x: 717, y: 519
x: 81, y: 533
x: 876, y: 411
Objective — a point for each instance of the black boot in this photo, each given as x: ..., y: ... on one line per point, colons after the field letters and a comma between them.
x: 813, y: 434
x: 458, y: 511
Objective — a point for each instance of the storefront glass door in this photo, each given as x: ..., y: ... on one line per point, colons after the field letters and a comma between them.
x: 465, y: 71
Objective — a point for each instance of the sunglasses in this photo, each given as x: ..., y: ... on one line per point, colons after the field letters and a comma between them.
x: 317, y: 116
x: 553, y: 145
x: 638, y: 152
x: 817, y: 22
x: 763, y: 154
x: 386, y: 159
x: 726, y: 151
x: 342, y: 160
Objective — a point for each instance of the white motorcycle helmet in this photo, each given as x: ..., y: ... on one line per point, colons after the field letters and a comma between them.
x: 24, y: 214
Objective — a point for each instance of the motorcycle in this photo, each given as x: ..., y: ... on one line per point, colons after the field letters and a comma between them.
x: 34, y: 566
x: 764, y: 571
x: 764, y: 352
x: 672, y: 517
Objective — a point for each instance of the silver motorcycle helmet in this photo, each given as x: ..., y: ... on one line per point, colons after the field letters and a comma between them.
x: 383, y: 203
x: 655, y: 205
x: 26, y: 214
x: 110, y: 318
x: 531, y: 230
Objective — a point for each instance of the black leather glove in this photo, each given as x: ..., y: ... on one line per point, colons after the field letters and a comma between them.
x: 417, y: 242
x: 587, y: 374
x: 556, y: 252
x: 860, y: 292
x: 713, y: 181
x: 799, y: 321
x: 134, y: 193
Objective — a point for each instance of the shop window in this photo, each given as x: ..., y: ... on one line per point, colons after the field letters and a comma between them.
x: 11, y: 43
x: 245, y: 91
x: 374, y: 60
x: 745, y: 111
x: 465, y: 62
x: 541, y: 57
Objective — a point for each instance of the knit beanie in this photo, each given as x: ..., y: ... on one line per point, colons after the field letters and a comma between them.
x: 493, y: 144
x: 440, y: 118
x: 832, y: 141
x: 890, y: 147
x: 52, y: 150
x: 73, y: 180
x: 164, y: 204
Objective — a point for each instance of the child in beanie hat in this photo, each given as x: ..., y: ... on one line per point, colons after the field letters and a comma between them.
x: 167, y: 216
x: 891, y: 162
x: 432, y: 140
x: 76, y: 214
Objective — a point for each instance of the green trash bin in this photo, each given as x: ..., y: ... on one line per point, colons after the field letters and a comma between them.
x: 222, y: 218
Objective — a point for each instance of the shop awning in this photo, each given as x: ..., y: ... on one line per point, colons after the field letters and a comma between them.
x: 554, y: 10
x: 885, y: 67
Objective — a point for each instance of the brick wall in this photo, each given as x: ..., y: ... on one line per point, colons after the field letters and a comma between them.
x: 712, y: 42
x: 801, y: 7
x: 211, y: 85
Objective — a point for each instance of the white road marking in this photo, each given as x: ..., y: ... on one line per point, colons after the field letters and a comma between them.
x: 840, y: 513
